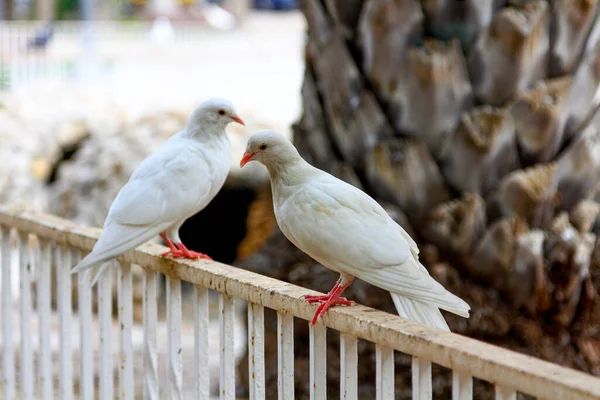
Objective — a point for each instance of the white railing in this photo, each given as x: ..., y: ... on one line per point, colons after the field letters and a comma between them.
x: 38, y: 235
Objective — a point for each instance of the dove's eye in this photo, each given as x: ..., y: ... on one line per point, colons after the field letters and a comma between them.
x: 263, y: 146
x: 221, y: 112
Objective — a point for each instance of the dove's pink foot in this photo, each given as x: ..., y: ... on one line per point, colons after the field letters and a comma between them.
x: 185, y: 253
x: 180, y: 251
x: 330, y: 299
x: 194, y: 255
x: 321, y: 299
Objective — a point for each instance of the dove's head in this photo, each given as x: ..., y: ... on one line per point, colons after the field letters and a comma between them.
x: 214, y: 112
x: 269, y: 148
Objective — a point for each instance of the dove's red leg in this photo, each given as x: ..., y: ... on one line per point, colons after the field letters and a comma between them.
x: 194, y: 255
x: 333, y: 299
x: 319, y: 299
x: 172, y: 248
x: 180, y: 251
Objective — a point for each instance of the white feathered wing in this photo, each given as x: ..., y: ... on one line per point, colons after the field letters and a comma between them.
x: 161, y: 194
x: 347, y: 231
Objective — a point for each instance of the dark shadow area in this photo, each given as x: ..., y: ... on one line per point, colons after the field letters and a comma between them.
x: 221, y: 226
x: 67, y: 153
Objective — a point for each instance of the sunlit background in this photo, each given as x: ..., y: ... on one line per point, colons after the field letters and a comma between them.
x: 88, y: 89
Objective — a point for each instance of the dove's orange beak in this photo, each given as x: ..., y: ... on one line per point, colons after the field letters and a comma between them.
x: 238, y: 120
x: 247, y: 157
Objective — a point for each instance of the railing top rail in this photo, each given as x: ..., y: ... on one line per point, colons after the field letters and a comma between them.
x: 491, y: 363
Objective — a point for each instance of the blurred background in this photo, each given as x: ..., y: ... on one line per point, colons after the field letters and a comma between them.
x: 89, y: 89
x: 474, y: 122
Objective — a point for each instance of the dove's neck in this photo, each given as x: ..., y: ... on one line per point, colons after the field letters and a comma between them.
x: 288, y: 169
x: 286, y: 176
x: 204, y: 131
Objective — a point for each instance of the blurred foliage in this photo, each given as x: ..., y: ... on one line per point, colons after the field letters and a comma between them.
x: 67, y: 9
x: 4, y: 78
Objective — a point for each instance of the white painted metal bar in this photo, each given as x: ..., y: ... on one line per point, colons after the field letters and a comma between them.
x: 105, y: 362
x: 421, y: 379
x: 63, y: 277
x: 227, y: 359
x: 318, y: 361
x: 25, y: 309
x: 86, y: 352
x: 285, y: 356
x: 505, y: 393
x: 8, y: 356
x: 125, y: 326
x: 201, y: 322
x: 174, y: 378
x: 43, y: 253
x: 462, y: 386
x: 348, y: 367
x: 150, y: 354
x: 384, y: 373
x: 256, y: 351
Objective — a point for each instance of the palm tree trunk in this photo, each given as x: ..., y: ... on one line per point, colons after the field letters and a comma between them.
x: 475, y: 123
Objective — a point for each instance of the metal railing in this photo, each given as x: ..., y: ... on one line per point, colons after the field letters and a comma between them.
x: 21, y: 64
x: 37, y: 235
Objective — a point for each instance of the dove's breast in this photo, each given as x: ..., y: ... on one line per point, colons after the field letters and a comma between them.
x: 215, y: 160
x: 193, y: 174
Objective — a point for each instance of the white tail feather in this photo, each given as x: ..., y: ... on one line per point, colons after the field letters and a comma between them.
x: 92, y: 260
x: 420, y: 312
x: 108, y: 247
x: 97, y: 271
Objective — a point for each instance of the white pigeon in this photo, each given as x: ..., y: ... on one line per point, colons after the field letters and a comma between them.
x: 347, y: 231
x: 175, y: 182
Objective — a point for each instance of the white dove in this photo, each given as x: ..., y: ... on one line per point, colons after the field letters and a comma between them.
x: 171, y: 185
x: 347, y: 231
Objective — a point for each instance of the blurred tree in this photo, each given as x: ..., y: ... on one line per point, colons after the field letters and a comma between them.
x: 474, y: 121
x: 6, y: 9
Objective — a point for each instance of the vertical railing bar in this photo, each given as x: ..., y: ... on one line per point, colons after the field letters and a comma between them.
x: 174, y: 378
x: 16, y: 67
x: 285, y: 356
x: 86, y: 352
x: 125, y: 327
x: 201, y: 322
x: 25, y: 279
x: 505, y: 393
x: 421, y: 379
x: 384, y: 379
x: 8, y: 356
x: 256, y: 351
x: 105, y: 363
x: 44, y: 266
x: 63, y: 272
x: 150, y: 354
x: 318, y: 361
x: 462, y: 386
x: 348, y: 367
x: 226, y: 343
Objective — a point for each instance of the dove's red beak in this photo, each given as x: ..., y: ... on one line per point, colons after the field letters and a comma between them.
x: 238, y: 120
x: 247, y: 157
